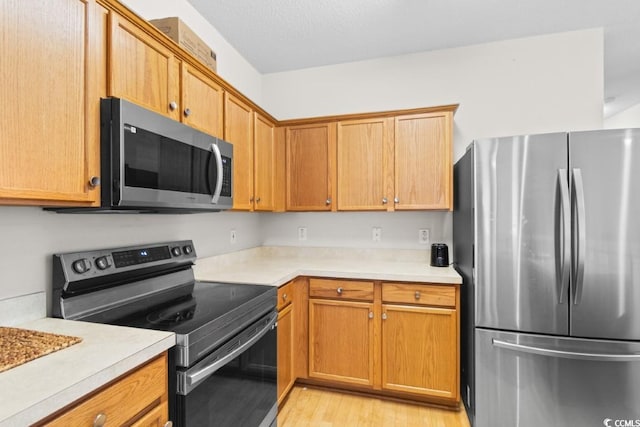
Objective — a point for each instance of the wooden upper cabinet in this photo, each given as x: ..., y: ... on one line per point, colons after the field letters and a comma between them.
x: 264, y: 163
x: 202, y: 102
x: 238, y: 130
x: 310, y: 167
x: 423, y: 161
x: 365, y: 165
x: 142, y: 70
x: 49, y: 125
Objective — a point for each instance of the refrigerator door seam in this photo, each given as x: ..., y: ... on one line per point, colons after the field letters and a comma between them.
x: 580, y: 222
x: 563, y: 185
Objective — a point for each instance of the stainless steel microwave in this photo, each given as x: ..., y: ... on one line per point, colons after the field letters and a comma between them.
x: 150, y: 163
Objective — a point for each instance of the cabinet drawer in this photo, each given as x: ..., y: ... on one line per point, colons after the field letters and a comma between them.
x: 284, y: 295
x: 124, y: 400
x: 409, y: 293
x: 341, y: 289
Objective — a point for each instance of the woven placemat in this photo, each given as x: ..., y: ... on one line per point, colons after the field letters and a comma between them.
x: 18, y: 346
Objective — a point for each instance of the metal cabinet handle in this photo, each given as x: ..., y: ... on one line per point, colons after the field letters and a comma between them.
x: 384, y: 200
x: 371, y: 315
x: 168, y: 424
x: 251, y: 199
x: 328, y: 201
x: 258, y: 200
x: 173, y: 105
x: 100, y: 420
x: 339, y: 290
x: 284, y: 297
x: 94, y: 181
x: 187, y: 112
x: 384, y: 316
x: 396, y: 200
x: 417, y: 295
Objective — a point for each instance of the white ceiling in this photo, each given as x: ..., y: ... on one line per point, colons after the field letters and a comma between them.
x: 279, y: 35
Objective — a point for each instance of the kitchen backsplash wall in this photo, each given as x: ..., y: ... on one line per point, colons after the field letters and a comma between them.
x: 30, y: 236
x: 398, y: 230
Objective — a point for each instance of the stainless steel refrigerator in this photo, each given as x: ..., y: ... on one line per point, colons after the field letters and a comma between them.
x: 546, y: 234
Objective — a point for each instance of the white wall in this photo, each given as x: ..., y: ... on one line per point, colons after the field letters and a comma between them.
x: 629, y: 118
x: 354, y: 229
x: 231, y: 65
x: 30, y: 236
x: 530, y: 85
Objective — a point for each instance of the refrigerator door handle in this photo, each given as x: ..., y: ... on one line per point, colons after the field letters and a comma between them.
x: 599, y: 357
x: 565, y: 241
x: 579, y: 236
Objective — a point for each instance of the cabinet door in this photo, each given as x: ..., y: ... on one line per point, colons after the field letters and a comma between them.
x: 341, y: 346
x: 419, y: 350
x: 143, y: 70
x: 285, y: 356
x: 423, y: 161
x: 202, y: 101
x: 156, y: 417
x: 264, y: 163
x: 365, y: 164
x: 238, y: 130
x: 50, y: 89
x: 310, y: 166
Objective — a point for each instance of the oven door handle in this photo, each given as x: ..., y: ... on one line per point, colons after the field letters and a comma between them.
x: 205, y: 371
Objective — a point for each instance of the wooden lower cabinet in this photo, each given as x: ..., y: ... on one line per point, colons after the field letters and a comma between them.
x: 419, y: 350
x: 138, y: 399
x: 391, y: 338
x: 285, y: 352
x: 341, y: 341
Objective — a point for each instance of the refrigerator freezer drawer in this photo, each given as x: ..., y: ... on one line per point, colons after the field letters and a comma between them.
x: 529, y: 380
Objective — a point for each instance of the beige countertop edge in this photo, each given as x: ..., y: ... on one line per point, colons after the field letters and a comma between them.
x: 448, y: 276
x: 41, y: 387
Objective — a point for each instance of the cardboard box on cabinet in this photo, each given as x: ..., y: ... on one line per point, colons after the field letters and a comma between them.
x: 180, y: 33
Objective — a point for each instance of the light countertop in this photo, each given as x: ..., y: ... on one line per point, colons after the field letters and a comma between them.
x: 36, y: 389
x: 275, y: 266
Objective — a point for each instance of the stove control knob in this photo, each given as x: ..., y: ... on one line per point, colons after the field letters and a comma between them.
x: 176, y: 251
x: 187, y: 249
x: 81, y: 266
x: 103, y: 263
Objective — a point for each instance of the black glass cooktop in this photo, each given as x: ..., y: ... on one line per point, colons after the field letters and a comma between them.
x: 209, y: 302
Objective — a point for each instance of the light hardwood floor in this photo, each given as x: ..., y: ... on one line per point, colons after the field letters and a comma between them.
x: 312, y: 407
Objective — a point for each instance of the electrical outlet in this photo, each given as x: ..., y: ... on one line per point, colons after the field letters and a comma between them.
x: 302, y: 233
x: 232, y: 237
x: 423, y: 236
x: 376, y: 234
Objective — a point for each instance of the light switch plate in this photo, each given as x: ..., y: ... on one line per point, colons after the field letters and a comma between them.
x: 423, y: 236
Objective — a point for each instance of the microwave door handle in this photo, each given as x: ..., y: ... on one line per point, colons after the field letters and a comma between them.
x: 218, y: 190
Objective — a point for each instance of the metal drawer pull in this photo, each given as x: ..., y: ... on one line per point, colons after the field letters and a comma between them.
x: 601, y: 357
x: 94, y: 181
x: 100, y: 420
x: 417, y: 295
x: 284, y: 297
x: 187, y: 112
x: 371, y: 315
x: 328, y: 201
x: 168, y: 424
x: 384, y: 200
x: 173, y: 105
x: 339, y: 291
x: 384, y: 316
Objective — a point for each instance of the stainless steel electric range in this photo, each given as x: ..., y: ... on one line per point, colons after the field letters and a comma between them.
x: 223, y: 368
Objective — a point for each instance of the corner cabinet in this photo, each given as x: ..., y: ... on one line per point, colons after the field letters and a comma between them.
x: 137, y: 399
x: 310, y: 167
x: 51, y: 83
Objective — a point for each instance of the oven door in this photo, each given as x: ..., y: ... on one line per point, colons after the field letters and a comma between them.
x: 235, y: 385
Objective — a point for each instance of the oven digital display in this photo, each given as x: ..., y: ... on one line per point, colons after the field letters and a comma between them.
x: 140, y: 256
